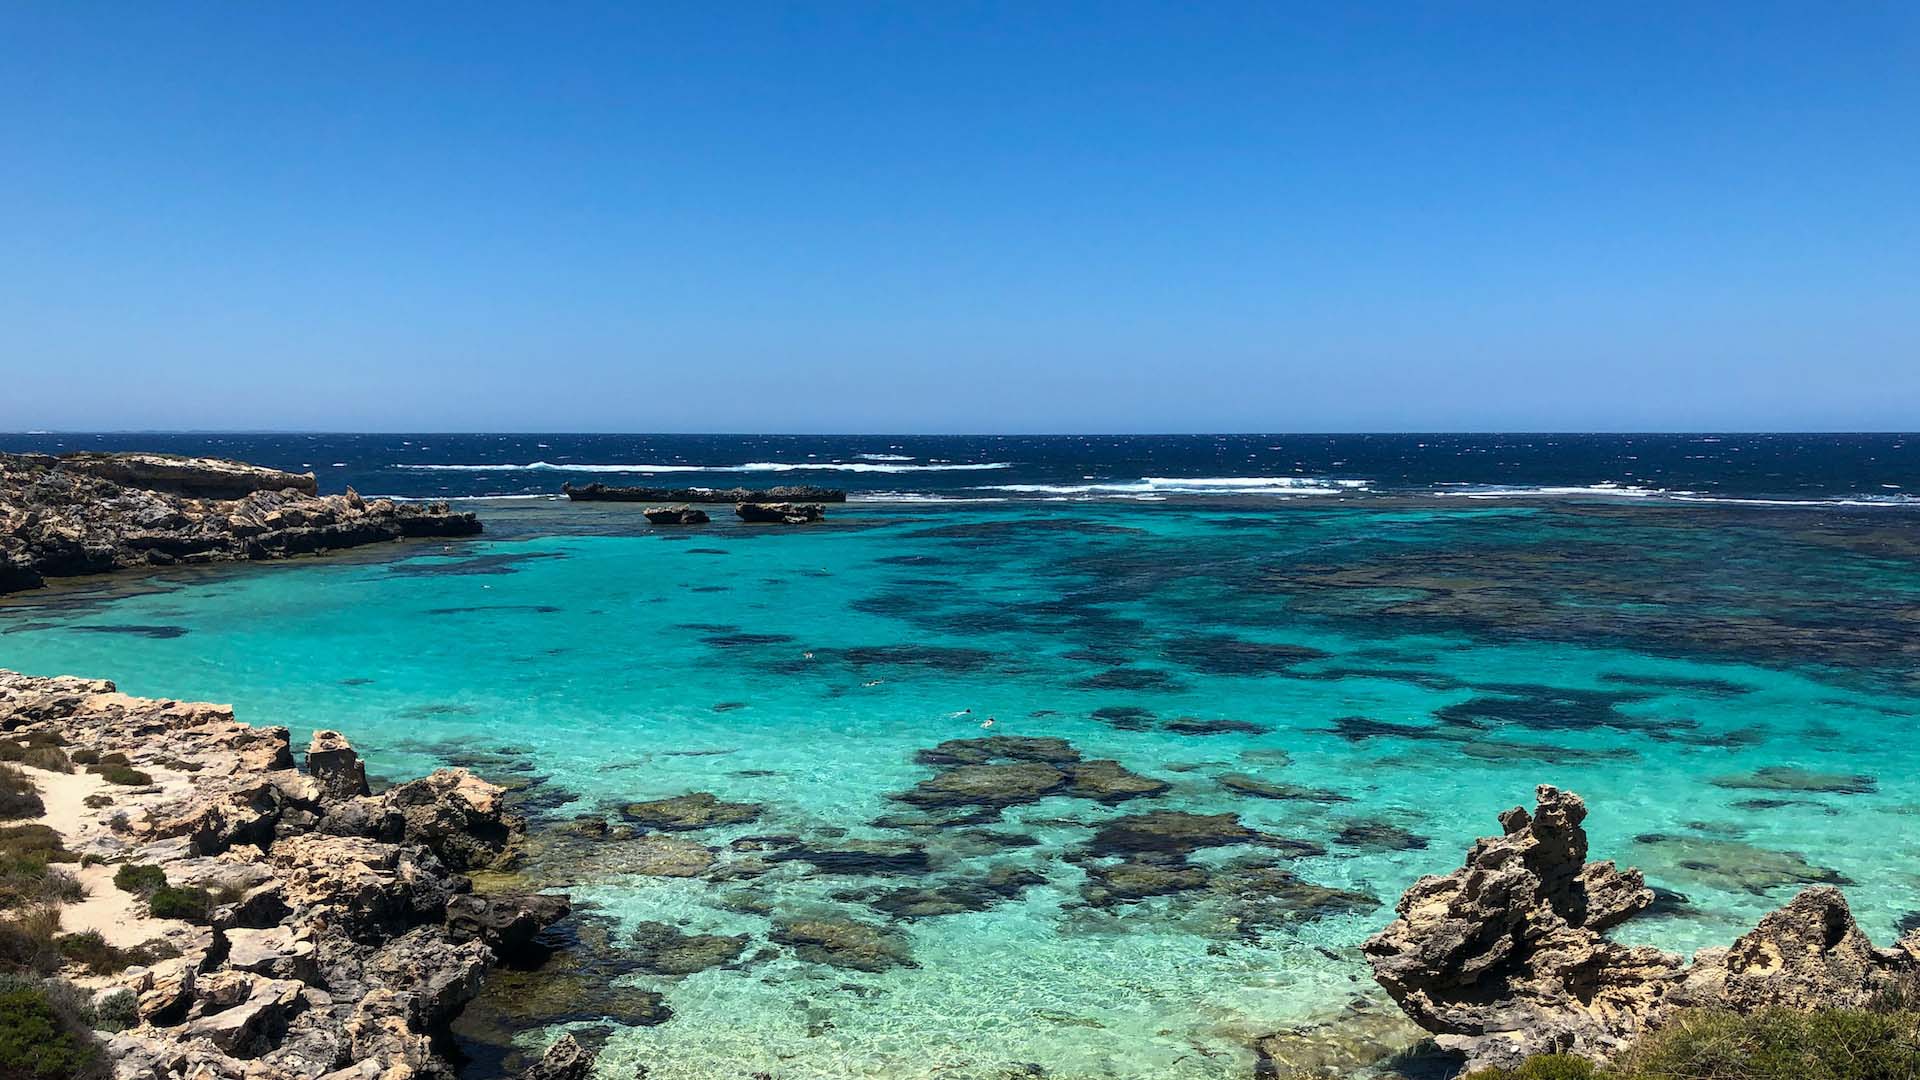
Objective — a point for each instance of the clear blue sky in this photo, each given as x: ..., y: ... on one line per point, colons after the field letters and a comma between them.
x: 950, y: 216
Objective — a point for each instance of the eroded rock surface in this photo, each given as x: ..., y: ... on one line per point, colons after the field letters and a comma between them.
x: 94, y: 513
x: 1505, y: 957
x: 338, y: 936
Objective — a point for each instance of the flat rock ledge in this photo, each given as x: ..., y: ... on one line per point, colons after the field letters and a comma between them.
x: 1506, y: 957
x: 341, y: 937
x: 93, y: 513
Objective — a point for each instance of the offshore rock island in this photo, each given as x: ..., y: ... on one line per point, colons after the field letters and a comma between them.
x: 92, y: 513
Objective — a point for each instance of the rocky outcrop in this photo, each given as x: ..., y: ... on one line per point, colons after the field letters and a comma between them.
x: 566, y: 1059
x: 676, y: 515
x: 335, y: 766
x: 338, y: 936
x: 211, y: 478
x: 779, y: 513
x: 792, y: 493
x: 1506, y: 957
x: 94, y: 513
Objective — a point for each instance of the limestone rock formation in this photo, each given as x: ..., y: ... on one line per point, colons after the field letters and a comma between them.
x: 94, y: 513
x: 328, y: 950
x: 1506, y: 957
x: 676, y: 515
x: 779, y: 513
x: 213, y: 478
x: 335, y: 766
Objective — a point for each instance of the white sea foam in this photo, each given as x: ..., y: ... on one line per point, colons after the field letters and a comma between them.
x: 916, y: 497
x: 752, y: 466
x: 884, y: 457
x: 1156, y: 486
x: 1610, y: 490
x: 1602, y: 490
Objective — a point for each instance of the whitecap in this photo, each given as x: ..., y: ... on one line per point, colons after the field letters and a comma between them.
x: 752, y: 466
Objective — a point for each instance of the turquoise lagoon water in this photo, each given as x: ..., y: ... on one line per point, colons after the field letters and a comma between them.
x: 1426, y: 666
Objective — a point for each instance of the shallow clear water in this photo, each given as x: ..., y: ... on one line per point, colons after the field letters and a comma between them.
x: 1445, y: 661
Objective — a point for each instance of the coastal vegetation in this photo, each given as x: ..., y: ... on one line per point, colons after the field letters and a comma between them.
x: 1773, y: 1044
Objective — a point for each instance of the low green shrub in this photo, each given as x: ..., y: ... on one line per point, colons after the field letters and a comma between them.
x: 172, y: 902
x: 85, y: 756
x: 115, y: 758
x: 99, y: 801
x: 120, y: 774
x: 117, y: 1011
x: 34, y: 841
x: 26, y: 941
x: 1781, y: 1044
x: 1773, y: 1044
x: 26, y: 879
x: 50, y: 758
x: 18, y: 797
x: 140, y: 879
x: 1543, y: 1067
x: 45, y: 1032
x: 99, y: 957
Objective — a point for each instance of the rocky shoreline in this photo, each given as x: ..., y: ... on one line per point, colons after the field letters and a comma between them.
x: 234, y: 916
x: 94, y: 513
x: 1506, y: 957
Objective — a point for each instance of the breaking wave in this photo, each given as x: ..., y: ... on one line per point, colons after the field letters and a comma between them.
x: 752, y: 466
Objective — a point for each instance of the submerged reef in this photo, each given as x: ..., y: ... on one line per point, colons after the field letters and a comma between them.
x: 93, y: 513
x: 242, y: 918
x: 1507, y: 957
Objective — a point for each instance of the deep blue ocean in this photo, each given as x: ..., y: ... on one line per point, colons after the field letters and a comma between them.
x: 1870, y: 468
x: 1360, y: 648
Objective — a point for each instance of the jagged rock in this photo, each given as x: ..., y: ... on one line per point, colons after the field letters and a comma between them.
x: 350, y: 942
x: 779, y: 513
x: 335, y: 766
x: 280, y: 952
x: 440, y: 978
x: 1505, y: 958
x: 676, y: 515
x: 507, y: 924
x: 793, y: 493
x: 1807, y: 955
x: 566, y: 1059
x: 253, y: 1026
x: 367, y: 886
x: 92, y: 513
x: 460, y: 817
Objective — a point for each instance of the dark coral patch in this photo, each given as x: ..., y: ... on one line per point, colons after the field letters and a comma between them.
x: 695, y: 810
x: 1368, y: 834
x: 1188, y: 725
x: 134, y: 630
x: 1790, y: 778
x: 1242, y: 784
x: 1127, y: 678
x: 1223, y: 654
